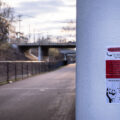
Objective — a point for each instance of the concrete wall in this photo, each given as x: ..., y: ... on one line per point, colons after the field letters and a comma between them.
x: 98, y: 26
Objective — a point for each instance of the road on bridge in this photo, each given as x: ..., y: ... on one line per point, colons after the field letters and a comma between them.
x: 49, y: 96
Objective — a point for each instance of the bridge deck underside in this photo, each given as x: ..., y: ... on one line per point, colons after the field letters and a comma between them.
x: 47, y: 46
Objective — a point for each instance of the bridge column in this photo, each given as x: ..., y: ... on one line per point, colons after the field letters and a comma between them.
x: 39, y: 53
x: 65, y: 57
x: 42, y: 53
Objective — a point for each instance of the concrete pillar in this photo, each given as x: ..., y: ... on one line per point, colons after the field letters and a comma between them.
x: 39, y: 54
x: 98, y: 26
x: 42, y: 52
x: 65, y: 57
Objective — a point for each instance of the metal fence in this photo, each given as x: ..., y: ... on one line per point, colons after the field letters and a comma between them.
x: 12, y: 71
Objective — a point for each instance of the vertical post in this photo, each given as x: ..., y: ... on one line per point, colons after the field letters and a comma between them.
x: 35, y: 68
x: 7, y: 71
x: 15, y: 72
x: 39, y: 67
x: 22, y: 69
x: 45, y: 67
x: 19, y: 19
x: 49, y: 66
x: 34, y: 35
x: 42, y: 67
x: 27, y: 70
x: 29, y: 33
x: 32, y: 69
x: 39, y: 54
x: 98, y: 26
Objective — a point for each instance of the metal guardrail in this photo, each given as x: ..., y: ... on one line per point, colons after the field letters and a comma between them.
x: 13, y: 71
x: 43, y: 43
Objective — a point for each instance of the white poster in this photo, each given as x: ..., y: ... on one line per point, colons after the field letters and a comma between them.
x: 113, y: 75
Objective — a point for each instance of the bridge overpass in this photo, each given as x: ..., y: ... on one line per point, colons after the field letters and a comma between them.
x: 48, y: 45
x: 43, y: 48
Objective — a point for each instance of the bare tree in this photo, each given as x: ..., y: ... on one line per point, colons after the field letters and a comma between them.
x: 69, y: 30
x: 6, y: 17
x: 44, y: 39
x: 70, y: 26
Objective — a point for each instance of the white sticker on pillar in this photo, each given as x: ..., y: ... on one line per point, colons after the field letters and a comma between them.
x: 113, y: 75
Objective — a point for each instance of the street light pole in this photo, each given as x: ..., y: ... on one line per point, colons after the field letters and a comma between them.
x: 29, y: 33
x: 34, y: 35
x: 19, y: 19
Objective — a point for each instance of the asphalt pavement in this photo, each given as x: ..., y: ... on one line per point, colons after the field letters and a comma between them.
x: 49, y: 96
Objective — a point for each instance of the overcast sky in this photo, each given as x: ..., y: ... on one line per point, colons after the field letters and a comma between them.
x: 44, y: 16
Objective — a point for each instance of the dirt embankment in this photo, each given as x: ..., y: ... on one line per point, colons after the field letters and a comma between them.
x: 11, y: 54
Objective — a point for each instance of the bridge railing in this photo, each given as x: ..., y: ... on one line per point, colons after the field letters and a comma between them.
x: 13, y: 71
x: 36, y: 44
x: 44, y: 43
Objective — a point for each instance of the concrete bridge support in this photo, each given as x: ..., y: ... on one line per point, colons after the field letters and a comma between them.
x: 65, y: 57
x: 39, y: 54
x: 42, y: 52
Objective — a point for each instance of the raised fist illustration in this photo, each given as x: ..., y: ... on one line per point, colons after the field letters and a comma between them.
x: 111, y: 94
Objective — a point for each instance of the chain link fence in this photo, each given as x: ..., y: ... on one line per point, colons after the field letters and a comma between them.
x: 13, y: 71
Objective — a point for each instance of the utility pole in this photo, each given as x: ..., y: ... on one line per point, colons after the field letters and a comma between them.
x: 34, y: 35
x: 29, y: 32
x: 19, y: 20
